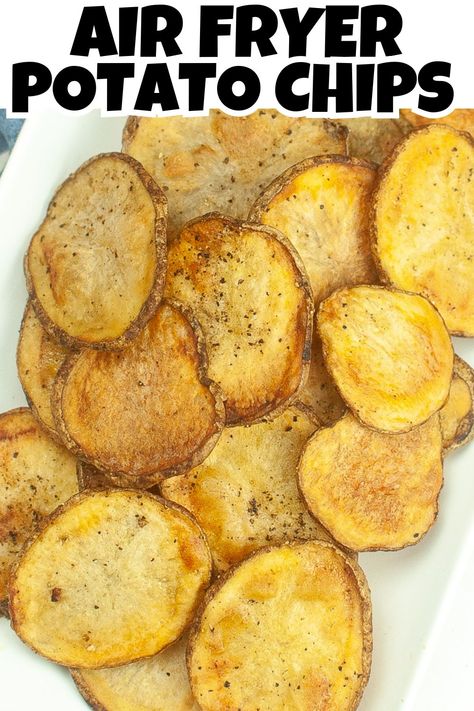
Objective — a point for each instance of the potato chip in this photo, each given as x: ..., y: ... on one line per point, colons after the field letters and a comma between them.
x: 322, y: 206
x: 289, y: 628
x: 457, y: 415
x: 423, y: 228
x: 389, y: 354
x: 372, y: 490
x: 36, y: 475
x: 220, y: 162
x: 96, y: 266
x: 39, y: 358
x: 113, y: 576
x: 145, y: 412
x: 159, y: 683
x: 249, y: 291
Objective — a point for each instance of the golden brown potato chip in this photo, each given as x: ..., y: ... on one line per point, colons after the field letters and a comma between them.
x: 457, y: 415
x: 389, y: 354
x: 373, y: 139
x: 96, y: 266
x: 289, y: 628
x: 159, y: 683
x: 248, y: 289
x: 220, y: 162
x: 462, y: 119
x: 322, y: 206
x: 423, y: 228
x: 371, y: 490
x: 36, y: 475
x: 245, y: 494
x: 39, y: 358
x: 145, y: 412
x: 114, y: 576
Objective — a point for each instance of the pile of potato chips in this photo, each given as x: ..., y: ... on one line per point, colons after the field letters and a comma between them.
x: 237, y: 358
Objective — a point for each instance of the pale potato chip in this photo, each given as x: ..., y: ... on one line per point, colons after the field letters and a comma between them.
x: 220, y: 162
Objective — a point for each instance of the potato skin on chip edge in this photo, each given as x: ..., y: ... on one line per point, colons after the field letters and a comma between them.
x: 465, y: 428
x: 23, y: 352
x: 154, y: 296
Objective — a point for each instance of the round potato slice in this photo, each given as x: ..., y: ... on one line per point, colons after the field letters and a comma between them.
x: 289, y: 628
x: 462, y: 119
x: 36, y: 475
x: 423, y: 227
x: 39, y: 358
x: 371, y: 490
x: 322, y: 206
x: 156, y: 684
x: 248, y: 290
x: 95, y: 268
x: 220, y: 162
x: 389, y: 353
x: 114, y: 576
x: 145, y: 412
x: 457, y: 415
x: 245, y: 494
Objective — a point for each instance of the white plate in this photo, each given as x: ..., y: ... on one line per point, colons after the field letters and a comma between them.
x: 423, y: 631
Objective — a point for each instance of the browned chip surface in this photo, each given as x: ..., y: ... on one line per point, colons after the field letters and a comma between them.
x: 457, y: 415
x: 423, y: 225
x: 95, y: 268
x: 245, y: 494
x: 156, y: 684
x: 39, y: 358
x: 389, y: 354
x: 36, y: 475
x: 289, y: 628
x: 144, y: 412
x: 114, y: 576
x: 248, y: 291
x: 371, y: 490
x: 220, y: 162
